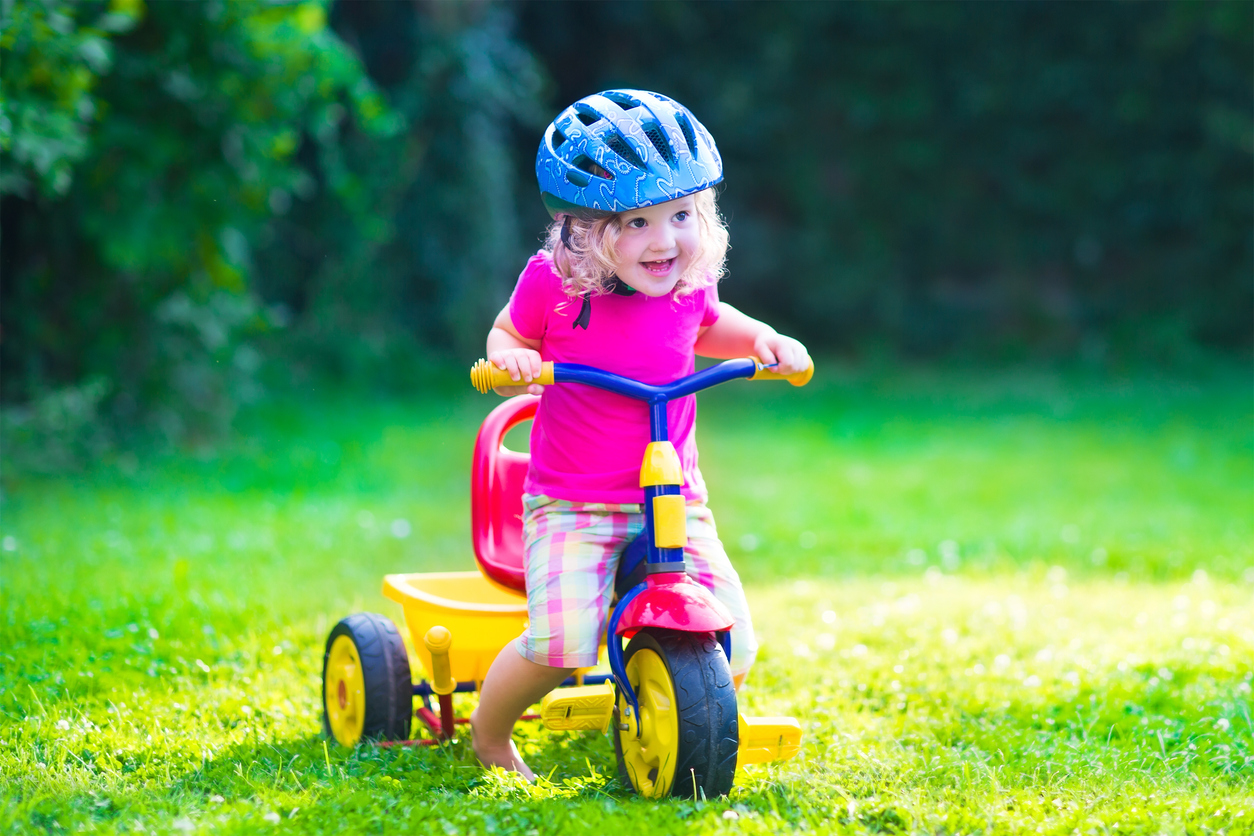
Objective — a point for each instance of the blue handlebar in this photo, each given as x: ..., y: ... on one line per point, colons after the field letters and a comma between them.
x: 656, y: 396
x: 704, y: 379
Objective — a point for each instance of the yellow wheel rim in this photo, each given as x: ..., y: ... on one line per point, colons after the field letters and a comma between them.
x: 650, y: 758
x: 345, y: 692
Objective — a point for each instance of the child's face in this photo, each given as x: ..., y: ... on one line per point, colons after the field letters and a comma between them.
x: 657, y: 244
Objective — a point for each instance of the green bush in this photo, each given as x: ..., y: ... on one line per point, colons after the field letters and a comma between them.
x: 199, y: 199
x: 146, y: 151
x: 1007, y: 180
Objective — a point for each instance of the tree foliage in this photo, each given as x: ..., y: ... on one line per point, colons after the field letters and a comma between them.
x: 444, y: 241
x: 51, y: 66
x: 185, y: 128
x: 192, y: 189
x: 1027, y: 178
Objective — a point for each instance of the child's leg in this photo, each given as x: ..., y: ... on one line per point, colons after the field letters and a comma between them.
x: 571, y: 552
x: 709, y: 565
x: 513, y: 683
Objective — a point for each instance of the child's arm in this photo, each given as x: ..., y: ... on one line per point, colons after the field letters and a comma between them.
x: 510, y: 351
x: 735, y: 334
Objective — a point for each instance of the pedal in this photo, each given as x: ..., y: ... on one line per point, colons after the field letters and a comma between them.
x: 582, y: 707
x: 766, y: 739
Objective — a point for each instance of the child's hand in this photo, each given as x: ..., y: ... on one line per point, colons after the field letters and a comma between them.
x: 523, y: 364
x: 790, y: 354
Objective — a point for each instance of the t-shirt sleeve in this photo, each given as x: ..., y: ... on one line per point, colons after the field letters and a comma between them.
x: 529, y: 303
x: 710, y: 315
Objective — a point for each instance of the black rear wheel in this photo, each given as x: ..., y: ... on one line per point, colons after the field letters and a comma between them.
x: 689, y: 733
x: 367, y: 692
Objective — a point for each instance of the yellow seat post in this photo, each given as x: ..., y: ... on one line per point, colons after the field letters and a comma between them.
x: 439, y: 641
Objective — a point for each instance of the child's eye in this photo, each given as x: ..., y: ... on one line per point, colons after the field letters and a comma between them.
x: 637, y: 223
x: 681, y: 216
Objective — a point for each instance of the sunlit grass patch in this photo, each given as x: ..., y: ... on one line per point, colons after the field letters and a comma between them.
x: 921, y: 564
x: 929, y: 702
x: 1121, y: 680
x: 1154, y: 479
x: 994, y: 704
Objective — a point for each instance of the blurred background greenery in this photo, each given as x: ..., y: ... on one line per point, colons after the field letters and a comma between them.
x: 1000, y: 550
x: 206, y: 202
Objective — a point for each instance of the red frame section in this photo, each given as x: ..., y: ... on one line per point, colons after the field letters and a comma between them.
x: 674, y: 601
x: 496, y: 488
x: 440, y: 725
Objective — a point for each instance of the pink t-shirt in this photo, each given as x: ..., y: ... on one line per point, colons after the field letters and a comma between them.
x: 587, y: 444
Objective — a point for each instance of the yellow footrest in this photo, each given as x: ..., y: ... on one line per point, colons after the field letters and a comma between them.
x: 766, y: 739
x: 583, y: 707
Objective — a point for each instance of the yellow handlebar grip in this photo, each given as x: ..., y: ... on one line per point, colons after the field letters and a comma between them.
x: 485, y: 376
x: 438, y: 641
x: 800, y: 378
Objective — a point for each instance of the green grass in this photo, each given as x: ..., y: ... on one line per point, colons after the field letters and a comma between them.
x: 998, y: 604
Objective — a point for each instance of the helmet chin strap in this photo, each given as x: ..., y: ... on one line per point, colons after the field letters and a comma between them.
x: 616, y: 285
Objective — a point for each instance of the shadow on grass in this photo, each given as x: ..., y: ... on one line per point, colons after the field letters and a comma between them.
x: 570, y: 765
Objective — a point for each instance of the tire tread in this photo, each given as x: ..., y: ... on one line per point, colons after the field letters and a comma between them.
x: 709, y: 734
x: 385, y: 672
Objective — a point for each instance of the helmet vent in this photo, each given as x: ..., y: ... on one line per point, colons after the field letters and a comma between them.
x: 690, y: 136
x: 584, y: 164
x: 620, y: 147
x: 586, y: 114
x: 622, y: 100
x: 654, y: 132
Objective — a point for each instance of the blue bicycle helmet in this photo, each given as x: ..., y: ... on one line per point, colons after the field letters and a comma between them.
x: 621, y: 150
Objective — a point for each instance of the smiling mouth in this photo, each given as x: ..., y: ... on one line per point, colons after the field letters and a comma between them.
x: 659, y: 268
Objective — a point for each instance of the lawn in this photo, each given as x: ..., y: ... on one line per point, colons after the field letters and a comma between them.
x: 999, y: 603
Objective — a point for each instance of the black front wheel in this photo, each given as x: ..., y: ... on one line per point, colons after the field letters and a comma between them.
x: 688, y: 723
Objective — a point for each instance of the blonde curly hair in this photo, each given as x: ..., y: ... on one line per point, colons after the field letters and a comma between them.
x: 587, y: 265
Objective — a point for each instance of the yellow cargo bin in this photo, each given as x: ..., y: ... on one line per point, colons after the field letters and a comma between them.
x: 481, y: 617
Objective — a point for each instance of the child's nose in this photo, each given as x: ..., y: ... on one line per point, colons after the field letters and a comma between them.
x: 663, y: 239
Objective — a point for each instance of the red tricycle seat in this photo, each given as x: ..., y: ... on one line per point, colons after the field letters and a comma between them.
x: 496, y: 488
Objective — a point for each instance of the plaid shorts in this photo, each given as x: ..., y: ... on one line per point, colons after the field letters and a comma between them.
x: 572, y: 551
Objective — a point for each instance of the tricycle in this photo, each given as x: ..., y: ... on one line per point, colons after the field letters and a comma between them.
x: 668, y: 699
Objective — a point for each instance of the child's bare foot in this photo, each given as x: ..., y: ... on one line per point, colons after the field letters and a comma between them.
x: 513, y: 683
x: 503, y: 755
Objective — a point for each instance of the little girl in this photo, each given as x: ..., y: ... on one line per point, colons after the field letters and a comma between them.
x: 626, y: 283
